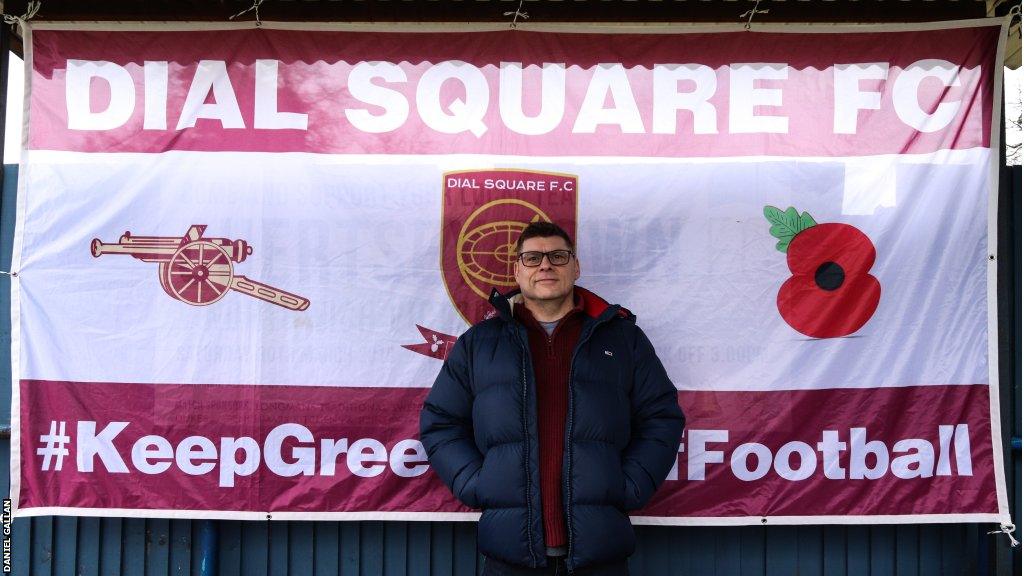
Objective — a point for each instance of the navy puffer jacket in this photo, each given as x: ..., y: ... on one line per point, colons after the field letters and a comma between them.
x: 624, y: 424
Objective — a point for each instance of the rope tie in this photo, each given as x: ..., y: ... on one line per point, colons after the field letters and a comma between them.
x: 1007, y: 529
x: 255, y: 9
x: 30, y: 11
x: 516, y: 15
x: 749, y: 14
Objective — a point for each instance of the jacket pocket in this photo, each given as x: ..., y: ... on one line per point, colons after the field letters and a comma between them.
x: 502, y: 480
x: 468, y: 494
x: 481, y: 483
x: 618, y: 485
x: 630, y: 494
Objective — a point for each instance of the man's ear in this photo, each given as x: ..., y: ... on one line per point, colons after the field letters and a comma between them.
x: 577, y: 263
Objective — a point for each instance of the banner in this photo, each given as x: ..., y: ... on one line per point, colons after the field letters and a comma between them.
x: 242, y: 255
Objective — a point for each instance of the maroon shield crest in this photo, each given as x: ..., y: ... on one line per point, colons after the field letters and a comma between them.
x: 483, y: 213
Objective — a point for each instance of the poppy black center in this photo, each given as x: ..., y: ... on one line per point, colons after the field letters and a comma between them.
x: 829, y: 276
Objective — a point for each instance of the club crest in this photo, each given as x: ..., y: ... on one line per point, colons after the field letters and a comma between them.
x: 483, y: 213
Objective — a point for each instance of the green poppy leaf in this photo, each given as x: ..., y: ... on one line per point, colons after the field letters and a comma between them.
x: 806, y: 221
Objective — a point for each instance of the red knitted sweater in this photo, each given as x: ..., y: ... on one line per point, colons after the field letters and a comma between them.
x: 552, y: 356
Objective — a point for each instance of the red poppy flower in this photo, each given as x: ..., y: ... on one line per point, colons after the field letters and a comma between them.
x: 831, y: 292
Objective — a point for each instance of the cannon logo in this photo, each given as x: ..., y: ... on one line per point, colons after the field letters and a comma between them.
x: 483, y: 213
x: 197, y: 270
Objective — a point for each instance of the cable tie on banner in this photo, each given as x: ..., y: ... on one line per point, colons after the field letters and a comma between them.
x: 749, y: 14
x: 30, y: 11
x: 516, y: 15
x: 255, y: 8
x: 1007, y: 529
x: 11, y: 274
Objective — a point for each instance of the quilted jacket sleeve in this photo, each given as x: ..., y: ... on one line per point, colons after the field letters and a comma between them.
x: 656, y: 426
x: 446, y: 426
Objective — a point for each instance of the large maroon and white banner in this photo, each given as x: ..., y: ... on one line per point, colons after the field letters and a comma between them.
x: 242, y: 255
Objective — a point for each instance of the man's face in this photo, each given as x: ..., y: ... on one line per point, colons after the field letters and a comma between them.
x: 546, y: 282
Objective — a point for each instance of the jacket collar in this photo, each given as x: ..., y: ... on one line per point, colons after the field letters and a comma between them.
x: 593, y: 305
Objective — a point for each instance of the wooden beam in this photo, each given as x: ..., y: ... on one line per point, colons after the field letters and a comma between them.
x: 492, y: 10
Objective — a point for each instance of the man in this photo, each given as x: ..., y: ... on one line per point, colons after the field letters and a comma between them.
x: 555, y: 417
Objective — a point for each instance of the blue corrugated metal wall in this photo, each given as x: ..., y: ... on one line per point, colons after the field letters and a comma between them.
x: 137, y: 547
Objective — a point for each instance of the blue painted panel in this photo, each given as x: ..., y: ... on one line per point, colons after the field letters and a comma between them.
x: 65, y: 533
x: 181, y: 547
x: 157, y: 536
x: 833, y: 545
x: 327, y: 552
x: 253, y: 546
x: 781, y: 551
x: 952, y: 548
x: 41, y: 546
x: 133, y: 559
x: 753, y: 549
x: 131, y: 547
x: 907, y: 550
x: 465, y: 561
x: 301, y: 551
x: 88, y: 544
x: 396, y: 542
x: 442, y: 549
x: 230, y: 549
x: 350, y: 551
x: 110, y: 547
x: 280, y: 545
x: 883, y: 539
x: 930, y: 557
x: 701, y: 552
x: 8, y: 210
x: 858, y: 550
x: 418, y: 550
x: 21, y: 539
x: 371, y: 544
x: 810, y: 549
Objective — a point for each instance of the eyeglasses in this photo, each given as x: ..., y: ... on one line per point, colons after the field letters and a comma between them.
x: 555, y: 257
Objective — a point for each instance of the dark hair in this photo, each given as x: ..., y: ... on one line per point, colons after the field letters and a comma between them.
x: 542, y: 229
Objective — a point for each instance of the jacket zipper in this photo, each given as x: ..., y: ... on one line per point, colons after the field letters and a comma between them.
x: 526, y: 444
x: 568, y: 456
x: 568, y: 437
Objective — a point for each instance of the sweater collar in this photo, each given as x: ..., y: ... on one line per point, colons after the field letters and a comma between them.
x: 592, y: 305
x: 525, y: 315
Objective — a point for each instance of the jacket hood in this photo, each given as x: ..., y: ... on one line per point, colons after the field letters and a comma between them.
x: 593, y: 305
